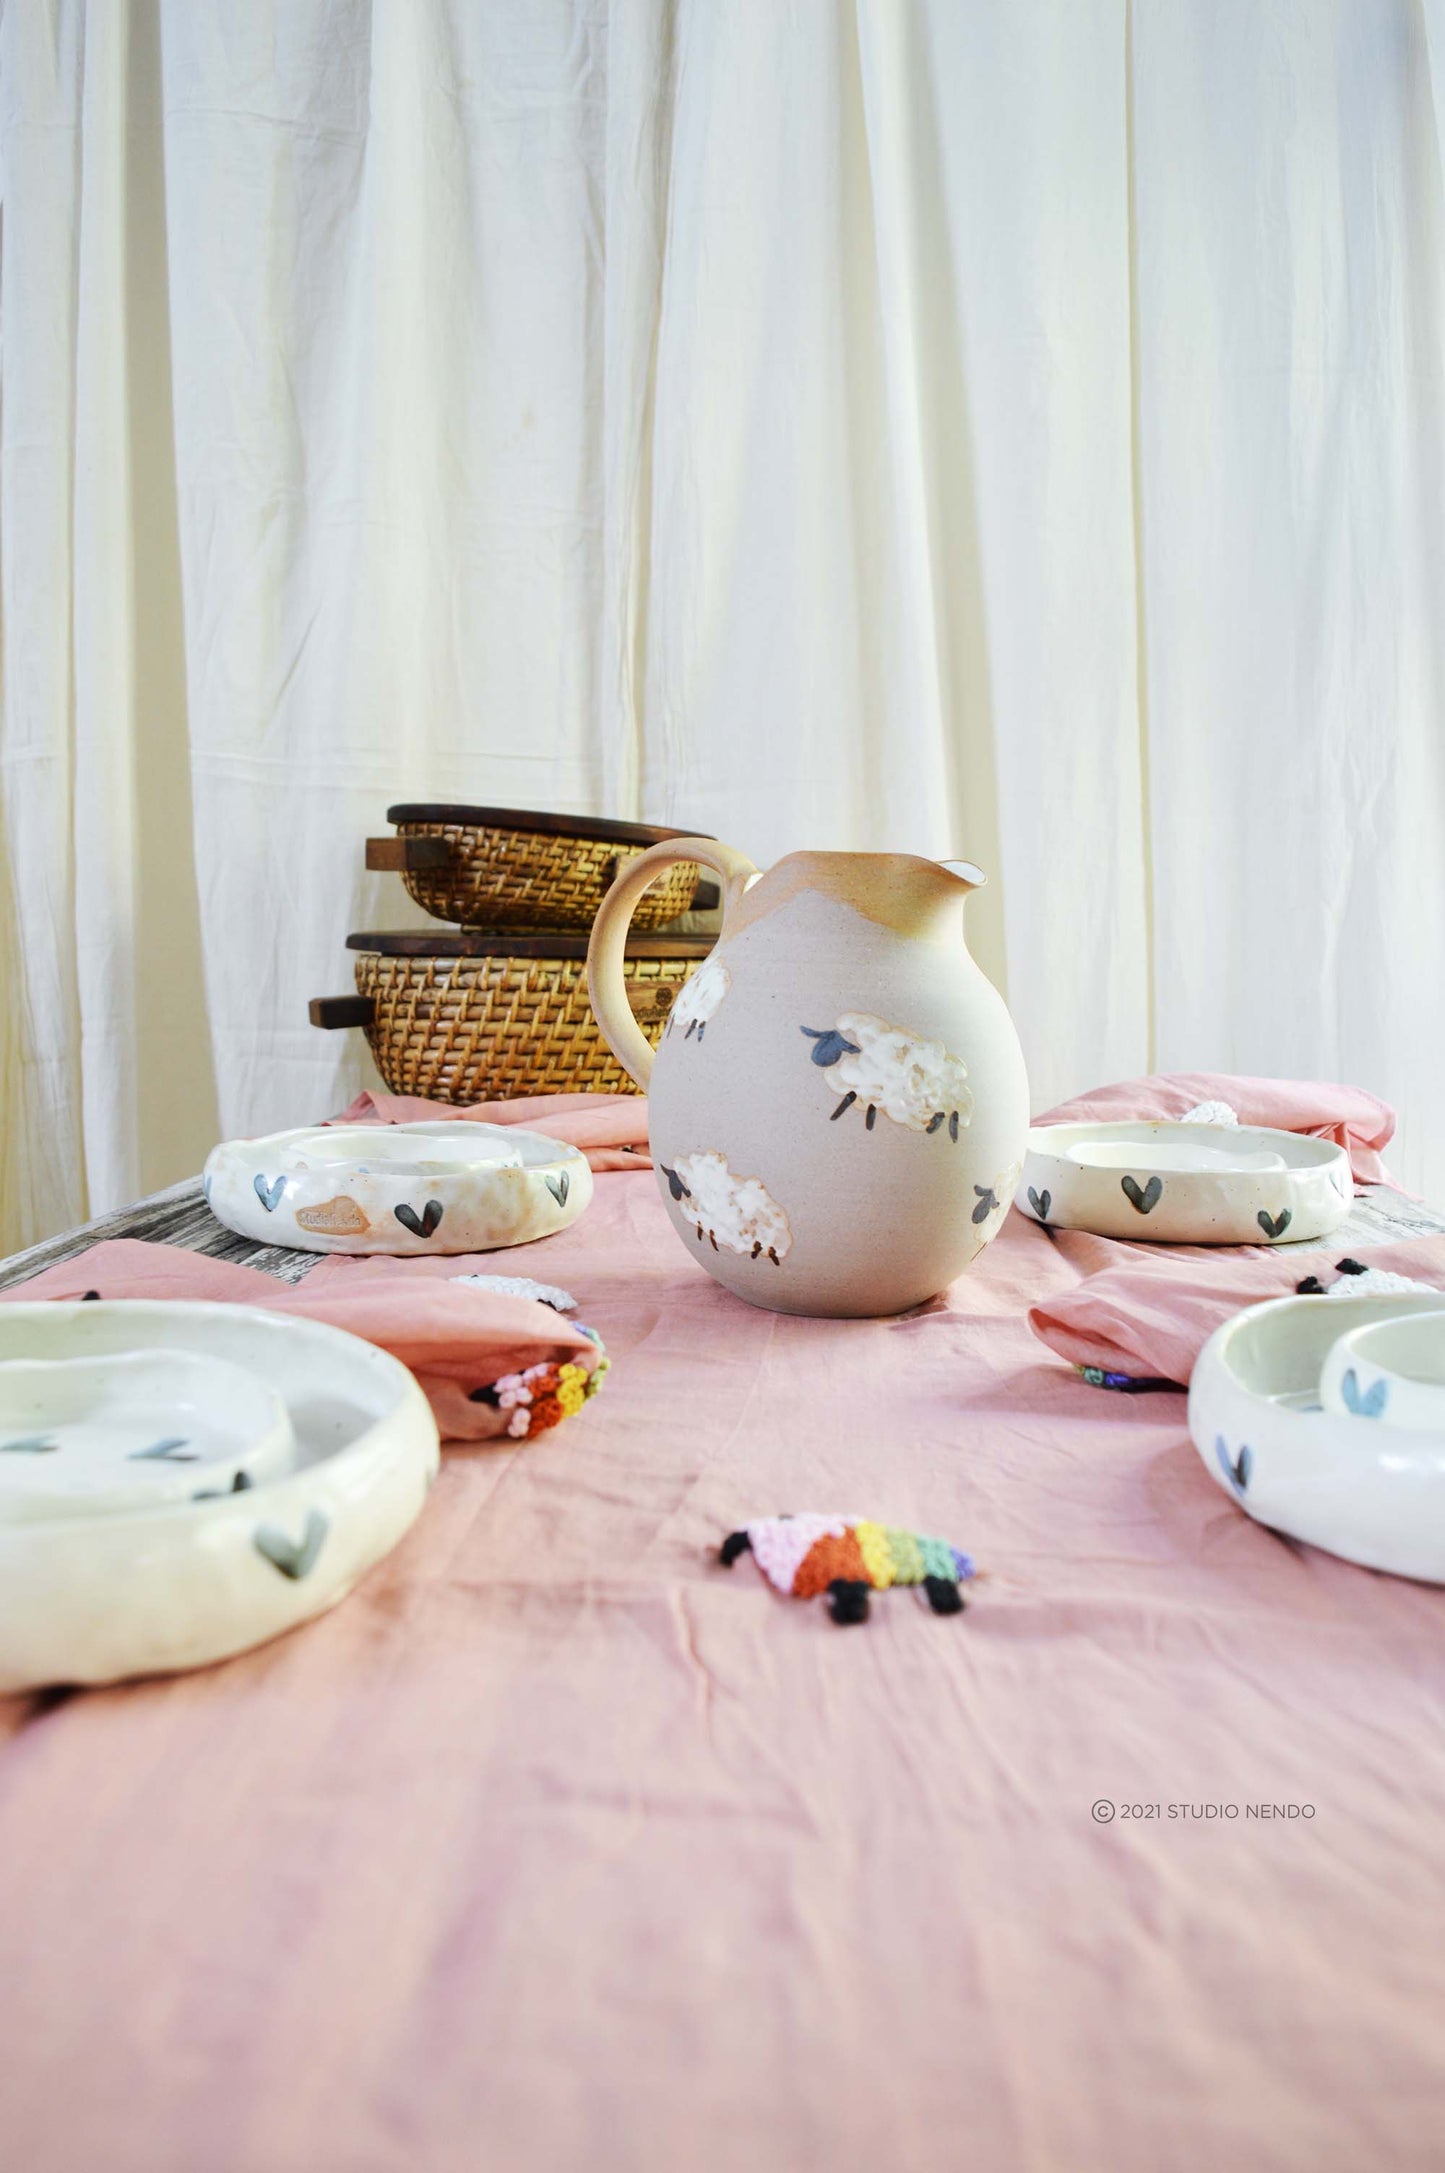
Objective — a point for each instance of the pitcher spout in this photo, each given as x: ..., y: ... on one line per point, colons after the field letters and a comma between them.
x: 901, y: 891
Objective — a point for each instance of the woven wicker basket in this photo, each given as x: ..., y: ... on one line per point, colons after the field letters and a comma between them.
x: 475, y: 1018
x: 495, y: 867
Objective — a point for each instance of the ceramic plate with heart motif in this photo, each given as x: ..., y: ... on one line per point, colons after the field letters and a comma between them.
x: 132, y: 1430
x: 445, y: 1187
x: 1185, y: 1184
x: 1347, y: 1481
x: 182, y: 1582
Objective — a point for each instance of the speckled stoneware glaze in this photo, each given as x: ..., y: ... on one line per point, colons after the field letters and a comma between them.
x: 838, y: 1106
x: 182, y: 1582
x: 398, y: 1188
x: 1360, y: 1488
x: 1185, y: 1184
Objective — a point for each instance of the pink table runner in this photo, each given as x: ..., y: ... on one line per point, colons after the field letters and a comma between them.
x: 560, y: 1846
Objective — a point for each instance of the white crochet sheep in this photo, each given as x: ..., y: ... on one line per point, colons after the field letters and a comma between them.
x: 738, y: 1212
x: 913, y: 1081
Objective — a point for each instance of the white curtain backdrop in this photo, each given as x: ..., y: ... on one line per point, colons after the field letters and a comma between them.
x: 1011, y: 430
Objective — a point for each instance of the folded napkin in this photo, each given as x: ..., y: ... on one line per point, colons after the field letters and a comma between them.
x: 611, y: 1129
x: 1151, y: 1320
x: 489, y: 1364
x: 1347, y: 1115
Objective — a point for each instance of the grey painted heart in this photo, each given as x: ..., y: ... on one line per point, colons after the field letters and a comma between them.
x: 1274, y: 1226
x: 1040, y: 1202
x: 1144, y: 1198
x: 238, y: 1485
x: 269, y: 1195
x: 559, y: 1187
x: 1237, y: 1473
x: 1365, y: 1403
x: 423, y: 1224
x: 293, y: 1557
x: 163, y: 1452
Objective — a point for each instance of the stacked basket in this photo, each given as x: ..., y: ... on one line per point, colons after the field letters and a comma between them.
x: 497, y: 1006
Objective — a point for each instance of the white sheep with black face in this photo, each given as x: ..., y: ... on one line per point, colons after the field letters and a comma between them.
x: 738, y: 1212
x: 700, y: 997
x: 913, y: 1081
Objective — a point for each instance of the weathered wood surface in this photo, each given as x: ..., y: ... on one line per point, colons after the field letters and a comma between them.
x: 178, y: 1216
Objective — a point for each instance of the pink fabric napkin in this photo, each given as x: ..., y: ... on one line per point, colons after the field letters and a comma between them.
x: 1152, y: 1319
x: 611, y: 1129
x: 455, y: 1338
x: 1347, y: 1115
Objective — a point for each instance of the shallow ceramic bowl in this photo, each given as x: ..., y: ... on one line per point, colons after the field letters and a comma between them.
x: 1185, y: 1184
x: 1374, y: 1494
x: 398, y: 1188
x: 1392, y: 1370
x: 132, y: 1430
x: 92, y: 1599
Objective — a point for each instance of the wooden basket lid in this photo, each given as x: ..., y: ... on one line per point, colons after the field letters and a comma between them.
x: 528, y: 818
x: 509, y: 943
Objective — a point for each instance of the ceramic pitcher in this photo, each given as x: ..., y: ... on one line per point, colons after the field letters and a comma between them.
x: 838, y: 1107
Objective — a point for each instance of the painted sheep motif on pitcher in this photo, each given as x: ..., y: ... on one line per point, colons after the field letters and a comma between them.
x: 727, y: 1210
x: 913, y: 1081
x: 992, y: 1202
x: 699, y: 998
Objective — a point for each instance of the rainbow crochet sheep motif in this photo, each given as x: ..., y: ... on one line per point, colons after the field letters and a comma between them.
x: 847, y: 1557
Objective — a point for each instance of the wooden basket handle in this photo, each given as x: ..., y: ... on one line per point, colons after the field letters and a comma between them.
x: 608, y: 947
x: 407, y: 855
x: 334, y: 1011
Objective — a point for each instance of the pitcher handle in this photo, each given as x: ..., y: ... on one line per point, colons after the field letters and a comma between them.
x: 608, y: 947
